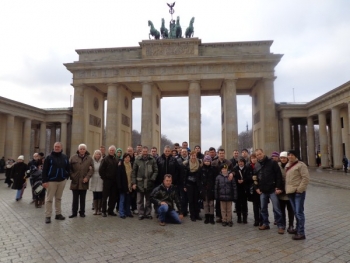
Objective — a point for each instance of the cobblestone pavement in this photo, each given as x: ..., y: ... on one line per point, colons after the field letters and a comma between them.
x: 24, y: 236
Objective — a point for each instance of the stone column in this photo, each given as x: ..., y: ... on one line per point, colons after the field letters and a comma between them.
x: 147, y: 115
x: 296, y: 139
x: 229, y: 113
x: 63, y: 138
x: 270, y: 132
x: 53, y: 136
x: 10, y: 125
x: 78, y: 126
x: 112, y: 112
x: 27, y: 131
x: 42, y: 141
x: 286, y: 134
x: 311, y: 153
x: 194, y: 114
x: 303, y: 143
x: 337, y: 139
x: 323, y: 139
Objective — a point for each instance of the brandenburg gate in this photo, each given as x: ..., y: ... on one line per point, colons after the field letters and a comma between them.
x: 170, y: 68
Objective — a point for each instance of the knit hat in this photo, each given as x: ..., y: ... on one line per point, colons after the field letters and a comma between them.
x: 207, y: 158
x: 21, y: 157
x: 294, y: 152
x: 223, y: 166
x: 275, y: 154
x: 284, y: 154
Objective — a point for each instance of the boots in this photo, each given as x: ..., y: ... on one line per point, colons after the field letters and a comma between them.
x: 99, y: 206
x: 206, y: 221
x: 211, y: 219
x: 36, y: 201
x: 245, y: 218
x: 239, y: 218
x: 95, y: 203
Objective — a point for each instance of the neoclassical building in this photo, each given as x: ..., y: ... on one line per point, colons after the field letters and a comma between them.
x: 179, y: 67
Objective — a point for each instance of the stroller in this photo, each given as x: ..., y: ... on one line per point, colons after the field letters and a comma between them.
x: 38, y: 190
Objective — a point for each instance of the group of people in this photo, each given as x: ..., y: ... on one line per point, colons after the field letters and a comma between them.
x: 130, y: 183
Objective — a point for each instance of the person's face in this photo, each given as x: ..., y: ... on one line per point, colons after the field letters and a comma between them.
x: 224, y: 170
x: 103, y: 150
x: 240, y: 163
x: 184, y: 153
x: 127, y: 159
x: 138, y: 148
x: 207, y: 163
x: 20, y: 161
x: 212, y: 153
x: 97, y: 156
x: 197, y: 149
x: 284, y: 159
x: 174, y: 153
x: 167, y: 152
x: 253, y: 160
x: 185, y: 145
x: 82, y: 150
x: 259, y: 155
x: 130, y: 151
x: 193, y: 157
x: 154, y: 152
x: 167, y: 182
x: 221, y: 155
x: 57, y: 147
x: 111, y: 151
x: 275, y: 158
x: 291, y: 158
x: 36, y: 156
x: 119, y: 153
x: 144, y: 152
x: 179, y: 150
x: 235, y: 154
x: 244, y: 154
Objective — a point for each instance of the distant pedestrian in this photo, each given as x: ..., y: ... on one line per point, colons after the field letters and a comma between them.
x: 345, y: 163
x: 9, y: 165
x: 96, y: 183
x: 2, y: 164
x: 18, y: 174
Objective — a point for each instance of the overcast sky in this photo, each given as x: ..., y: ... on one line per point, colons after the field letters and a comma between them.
x: 37, y: 37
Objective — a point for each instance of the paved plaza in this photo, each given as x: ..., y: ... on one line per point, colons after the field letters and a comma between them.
x: 24, y: 236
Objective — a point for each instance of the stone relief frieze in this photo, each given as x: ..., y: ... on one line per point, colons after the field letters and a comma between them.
x: 167, y: 50
x: 173, y: 70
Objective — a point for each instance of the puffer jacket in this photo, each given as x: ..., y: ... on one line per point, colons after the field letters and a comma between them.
x: 56, y: 167
x: 206, y: 182
x: 297, y: 177
x: 161, y: 194
x: 18, y: 175
x: 144, y: 173
x: 225, y: 190
x: 80, y: 168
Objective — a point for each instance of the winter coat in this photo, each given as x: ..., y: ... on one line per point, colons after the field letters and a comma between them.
x: 252, y: 170
x: 144, y: 173
x: 18, y: 174
x: 283, y: 195
x: 167, y: 166
x: 96, y: 183
x: 192, y: 178
x: 109, y: 168
x: 80, y: 168
x: 161, y: 194
x: 216, y: 163
x: 269, y: 176
x: 122, y: 179
x: 225, y: 190
x: 297, y: 177
x: 243, y: 188
x: 56, y: 167
x: 206, y: 182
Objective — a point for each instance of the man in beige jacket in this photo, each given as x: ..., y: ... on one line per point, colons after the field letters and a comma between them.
x: 297, y: 179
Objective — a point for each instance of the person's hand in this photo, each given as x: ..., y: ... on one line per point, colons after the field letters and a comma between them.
x: 45, y: 185
x: 278, y: 191
x: 185, y: 189
x: 181, y: 217
x: 258, y: 191
x: 240, y: 181
x: 134, y: 186
x: 163, y: 203
x: 230, y: 176
x: 85, y: 180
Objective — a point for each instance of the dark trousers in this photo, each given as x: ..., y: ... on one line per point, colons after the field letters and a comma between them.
x: 79, y: 196
x: 193, y: 196
x: 97, y: 195
x: 184, y: 201
x: 109, y: 193
x: 242, y: 204
x: 133, y: 200
x: 256, y: 207
x: 217, y: 208
x: 286, y: 204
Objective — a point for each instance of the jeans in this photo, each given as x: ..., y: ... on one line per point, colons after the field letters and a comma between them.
x: 297, y: 201
x: 264, y: 199
x: 124, y: 204
x: 166, y: 215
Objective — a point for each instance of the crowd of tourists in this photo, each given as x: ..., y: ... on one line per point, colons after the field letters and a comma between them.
x: 178, y: 182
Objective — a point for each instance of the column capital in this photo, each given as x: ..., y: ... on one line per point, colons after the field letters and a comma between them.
x: 234, y: 80
x: 111, y: 84
x: 194, y: 81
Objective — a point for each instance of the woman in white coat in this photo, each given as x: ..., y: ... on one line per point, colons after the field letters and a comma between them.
x: 96, y: 183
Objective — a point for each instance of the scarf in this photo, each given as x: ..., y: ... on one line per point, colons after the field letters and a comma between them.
x: 128, y: 170
x: 194, y: 166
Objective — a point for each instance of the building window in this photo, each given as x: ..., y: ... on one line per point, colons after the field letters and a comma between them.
x: 342, y: 122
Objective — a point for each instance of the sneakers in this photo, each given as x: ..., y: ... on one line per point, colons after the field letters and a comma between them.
x: 298, y: 237
x: 47, y: 220
x: 280, y: 231
x: 161, y: 223
x: 264, y: 227
x: 60, y: 217
x: 224, y: 224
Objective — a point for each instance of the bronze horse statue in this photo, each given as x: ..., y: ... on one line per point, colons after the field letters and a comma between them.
x: 178, y: 28
x: 163, y: 30
x: 153, y: 32
x: 190, y: 30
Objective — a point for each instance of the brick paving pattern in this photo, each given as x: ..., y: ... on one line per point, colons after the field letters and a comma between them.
x: 24, y: 236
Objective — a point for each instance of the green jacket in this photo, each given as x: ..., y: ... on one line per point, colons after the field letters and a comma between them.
x: 144, y: 173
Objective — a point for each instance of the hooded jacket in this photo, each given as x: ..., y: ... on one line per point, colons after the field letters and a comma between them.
x: 56, y: 167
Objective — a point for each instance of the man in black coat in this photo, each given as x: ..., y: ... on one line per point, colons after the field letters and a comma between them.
x: 167, y: 164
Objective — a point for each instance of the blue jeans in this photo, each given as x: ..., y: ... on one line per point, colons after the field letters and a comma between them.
x: 297, y: 201
x: 124, y: 205
x: 164, y: 215
x: 264, y: 199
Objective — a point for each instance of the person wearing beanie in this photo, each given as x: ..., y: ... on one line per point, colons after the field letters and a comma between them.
x: 206, y: 189
x: 297, y: 179
x: 275, y: 156
x: 18, y: 174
